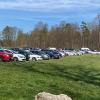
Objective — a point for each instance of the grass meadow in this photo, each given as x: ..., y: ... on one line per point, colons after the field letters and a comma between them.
x: 76, y: 76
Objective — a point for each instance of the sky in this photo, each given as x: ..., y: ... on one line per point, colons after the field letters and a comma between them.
x: 25, y: 14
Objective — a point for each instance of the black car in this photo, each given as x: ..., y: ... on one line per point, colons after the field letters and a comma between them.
x: 15, y: 49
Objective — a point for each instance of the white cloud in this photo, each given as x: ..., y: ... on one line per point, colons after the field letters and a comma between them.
x: 48, y: 5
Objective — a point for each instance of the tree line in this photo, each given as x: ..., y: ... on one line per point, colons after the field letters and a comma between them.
x: 64, y: 35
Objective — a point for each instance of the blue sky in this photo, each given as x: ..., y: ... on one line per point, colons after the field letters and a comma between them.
x: 25, y: 14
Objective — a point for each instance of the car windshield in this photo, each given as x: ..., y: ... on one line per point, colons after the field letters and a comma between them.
x: 15, y: 52
x: 54, y: 52
x: 38, y: 52
x: 30, y: 53
x: 41, y: 52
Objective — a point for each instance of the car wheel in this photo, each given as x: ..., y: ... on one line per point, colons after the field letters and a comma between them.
x: 33, y: 59
x: 15, y: 59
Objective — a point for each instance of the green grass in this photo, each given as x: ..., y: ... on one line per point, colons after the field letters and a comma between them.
x: 77, y: 76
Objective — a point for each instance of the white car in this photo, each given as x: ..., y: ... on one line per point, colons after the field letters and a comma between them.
x: 69, y: 53
x: 93, y: 52
x: 85, y: 49
x: 34, y: 57
x: 18, y: 57
x: 62, y: 53
x: 79, y: 53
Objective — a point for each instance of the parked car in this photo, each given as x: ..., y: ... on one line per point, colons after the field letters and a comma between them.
x: 30, y: 56
x: 16, y: 56
x: 94, y: 52
x: 51, y: 53
x: 56, y: 53
x: 61, y: 53
x: 5, y: 56
x: 34, y: 57
x: 23, y: 53
x: 85, y: 49
x: 41, y: 53
x: 69, y: 53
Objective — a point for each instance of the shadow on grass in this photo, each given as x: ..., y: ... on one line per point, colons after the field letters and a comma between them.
x: 71, y: 72
x: 74, y: 72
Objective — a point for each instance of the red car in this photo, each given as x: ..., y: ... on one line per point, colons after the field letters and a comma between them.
x: 5, y: 56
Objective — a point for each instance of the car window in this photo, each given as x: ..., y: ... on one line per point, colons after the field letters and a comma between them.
x: 1, y: 50
x: 15, y: 52
x: 40, y: 52
x: 30, y: 53
x: 33, y: 52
